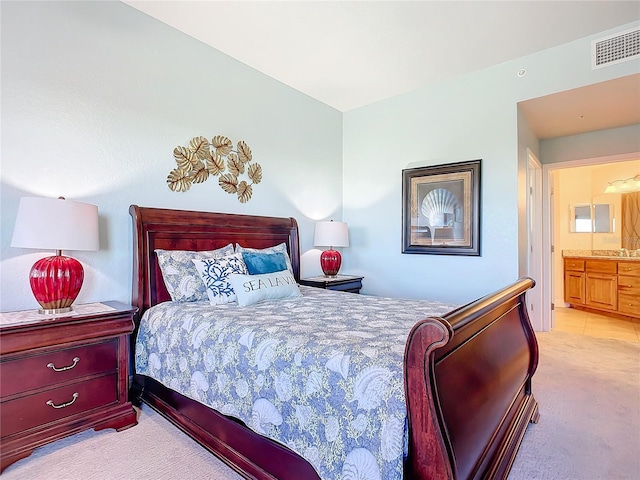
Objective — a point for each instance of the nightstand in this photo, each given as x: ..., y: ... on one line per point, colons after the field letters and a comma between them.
x: 60, y: 375
x: 345, y: 283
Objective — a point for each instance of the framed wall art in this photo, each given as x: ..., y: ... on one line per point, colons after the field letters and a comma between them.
x: 441, y: 209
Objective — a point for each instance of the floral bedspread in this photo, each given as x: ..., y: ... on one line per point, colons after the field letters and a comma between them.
x: 321, y: 373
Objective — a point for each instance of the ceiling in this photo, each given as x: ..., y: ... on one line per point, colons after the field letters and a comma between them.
x: 347, y: 54
x: 600, y: 106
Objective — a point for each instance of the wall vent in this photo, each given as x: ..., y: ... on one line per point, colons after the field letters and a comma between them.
x: 618, y: 48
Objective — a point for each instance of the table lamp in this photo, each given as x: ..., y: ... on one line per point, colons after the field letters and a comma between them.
x: 56, y: 224
x: 331, y: 234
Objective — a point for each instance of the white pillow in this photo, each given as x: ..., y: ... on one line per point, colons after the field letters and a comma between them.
x: 251, y: 289
x: 179, y: 274
x: 215, y: 274
x: 282, y: 248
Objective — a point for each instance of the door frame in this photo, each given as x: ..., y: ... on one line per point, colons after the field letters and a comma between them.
x: 534, y: 234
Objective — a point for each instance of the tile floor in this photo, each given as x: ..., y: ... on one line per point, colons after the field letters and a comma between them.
x: 596, y: 325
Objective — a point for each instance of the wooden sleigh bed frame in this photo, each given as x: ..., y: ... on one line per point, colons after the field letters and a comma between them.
x: 467, y: 374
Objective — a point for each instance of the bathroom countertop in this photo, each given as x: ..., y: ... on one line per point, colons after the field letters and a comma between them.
x: 598, y: 254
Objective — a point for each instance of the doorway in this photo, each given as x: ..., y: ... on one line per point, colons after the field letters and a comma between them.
x: 552, y: 223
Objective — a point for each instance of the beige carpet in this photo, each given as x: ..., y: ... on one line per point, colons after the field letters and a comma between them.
x: 588, y: 391
x: 589, y: 395
x: 152, y: 450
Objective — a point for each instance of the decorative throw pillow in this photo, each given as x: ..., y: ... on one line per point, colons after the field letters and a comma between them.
x: 180, y: 275
x: 215, y: 274
x: 259, y: 263
x: 252, y: 289
x: 282, y: 248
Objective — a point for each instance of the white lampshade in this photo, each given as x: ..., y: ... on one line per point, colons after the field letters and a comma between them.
x: 55, y: 224
x: 331, y: 234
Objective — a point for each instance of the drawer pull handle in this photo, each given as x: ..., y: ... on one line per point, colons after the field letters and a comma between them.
x: 51, y: 404
x: 62, y: 369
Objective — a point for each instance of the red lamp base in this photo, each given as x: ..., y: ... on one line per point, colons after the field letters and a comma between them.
x: 56, y: 282
x: 330, y: 261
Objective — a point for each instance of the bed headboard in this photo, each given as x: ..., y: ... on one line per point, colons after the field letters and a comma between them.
x: 189, y: 230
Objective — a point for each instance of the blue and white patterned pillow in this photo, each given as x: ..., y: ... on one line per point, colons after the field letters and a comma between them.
x: 180, y: 276
x: 215, y: 272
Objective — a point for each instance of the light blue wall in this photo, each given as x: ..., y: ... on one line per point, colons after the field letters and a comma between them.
x: 95, y: 97
x: 527, y: 140
x: 470, y: 117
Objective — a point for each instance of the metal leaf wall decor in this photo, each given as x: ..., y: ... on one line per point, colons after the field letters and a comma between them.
x: 203, y: 159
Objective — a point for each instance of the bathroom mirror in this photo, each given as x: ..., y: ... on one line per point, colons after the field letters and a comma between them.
x: 580, y: 218
x: 591, y: 218
x: 603, y: 218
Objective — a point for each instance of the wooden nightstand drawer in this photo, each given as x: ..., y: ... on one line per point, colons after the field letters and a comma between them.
x: 42, y: 408
x: 56, y: 367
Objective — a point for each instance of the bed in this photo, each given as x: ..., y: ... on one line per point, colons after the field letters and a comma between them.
x: 465, y: 372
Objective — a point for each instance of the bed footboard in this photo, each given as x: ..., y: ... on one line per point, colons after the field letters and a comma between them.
x: 468, y: 387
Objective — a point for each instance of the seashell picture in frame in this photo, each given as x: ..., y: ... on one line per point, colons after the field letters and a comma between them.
x: 441, y: 209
